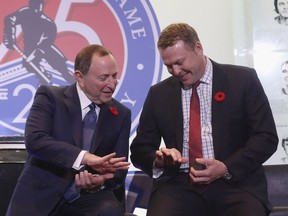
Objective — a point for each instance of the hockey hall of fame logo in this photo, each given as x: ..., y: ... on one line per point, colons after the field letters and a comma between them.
x: 40, y: 39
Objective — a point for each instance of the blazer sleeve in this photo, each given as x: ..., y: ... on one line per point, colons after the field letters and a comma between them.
x: 147, y: 140
x: 244, y: 131
x: 48, y: 132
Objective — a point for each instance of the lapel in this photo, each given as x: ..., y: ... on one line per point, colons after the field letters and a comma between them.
x: 177, y: 113
x: 105, y: 121
x: 219, y: 108
x: 72, y: 102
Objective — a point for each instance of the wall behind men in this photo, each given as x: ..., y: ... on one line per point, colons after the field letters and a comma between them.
x: 225, y: 28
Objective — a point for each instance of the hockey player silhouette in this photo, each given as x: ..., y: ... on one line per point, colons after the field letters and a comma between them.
x: 39, y: 33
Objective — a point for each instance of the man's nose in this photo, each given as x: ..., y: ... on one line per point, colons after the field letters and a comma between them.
x: 112, y: 82
x: 176, y: 70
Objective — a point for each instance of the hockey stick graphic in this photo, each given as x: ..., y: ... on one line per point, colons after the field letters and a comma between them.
x: 38, y: 71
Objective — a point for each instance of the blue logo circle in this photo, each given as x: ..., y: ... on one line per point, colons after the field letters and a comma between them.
x: 141, y: 68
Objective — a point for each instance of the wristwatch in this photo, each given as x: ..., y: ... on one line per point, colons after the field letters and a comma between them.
x: 227, y: 175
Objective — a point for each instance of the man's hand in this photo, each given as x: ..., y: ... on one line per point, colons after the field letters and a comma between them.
x: 169, y: 157
x: 105, y: 164
x: 89, y: 182
x: 214, y: 169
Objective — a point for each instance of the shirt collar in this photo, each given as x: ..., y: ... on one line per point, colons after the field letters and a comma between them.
x: 208, y: 74
x: 84, y: 100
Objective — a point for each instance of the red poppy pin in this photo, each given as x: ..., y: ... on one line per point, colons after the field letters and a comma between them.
x: 113, y: 111
x: 219, y: 96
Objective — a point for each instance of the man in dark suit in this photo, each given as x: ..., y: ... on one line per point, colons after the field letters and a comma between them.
x: 237, y: 134
x: 56, y: 161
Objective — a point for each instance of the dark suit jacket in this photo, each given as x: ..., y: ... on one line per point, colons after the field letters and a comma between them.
x: 53, y: 142
x: 243, y: 129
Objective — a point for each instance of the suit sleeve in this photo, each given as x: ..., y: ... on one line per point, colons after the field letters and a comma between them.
x: 252, y: 129
x: 48, y: 135
x: 148, y: 138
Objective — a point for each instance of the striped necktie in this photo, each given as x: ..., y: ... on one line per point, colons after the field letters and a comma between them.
x: 88, y: 127
x: 195, y: 141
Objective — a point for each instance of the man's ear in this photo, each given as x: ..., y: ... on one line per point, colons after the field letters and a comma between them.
x: 198, y: 48
x: 78, y: 75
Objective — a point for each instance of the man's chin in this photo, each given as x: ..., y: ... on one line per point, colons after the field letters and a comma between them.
x: 106, y: 100
x: 186, y: 84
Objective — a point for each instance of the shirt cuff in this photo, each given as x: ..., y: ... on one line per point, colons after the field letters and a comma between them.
x: 156, y: 171
x: 77, y: 164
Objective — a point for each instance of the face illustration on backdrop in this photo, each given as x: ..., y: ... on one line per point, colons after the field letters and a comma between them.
x: 284, y: 74
x: 281, y: 8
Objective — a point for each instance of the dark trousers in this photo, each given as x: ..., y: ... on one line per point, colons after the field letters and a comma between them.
x: 101, y: 203
x: 177, y: 198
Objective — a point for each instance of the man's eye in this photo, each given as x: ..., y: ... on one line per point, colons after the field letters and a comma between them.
x: 102, y: 78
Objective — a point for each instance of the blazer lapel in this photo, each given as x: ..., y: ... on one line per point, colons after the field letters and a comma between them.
x: 105, y: 121
x: 176, y: 111
x: 219, y: 108
x: 72, y: 103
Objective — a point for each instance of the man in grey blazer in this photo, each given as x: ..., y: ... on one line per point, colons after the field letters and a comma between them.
x: 53, y: 138
x: 237, y: 131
